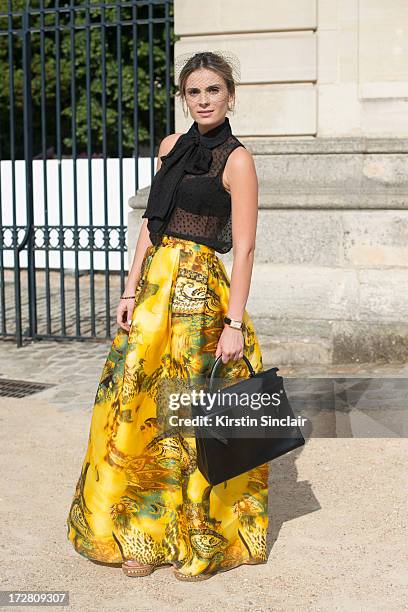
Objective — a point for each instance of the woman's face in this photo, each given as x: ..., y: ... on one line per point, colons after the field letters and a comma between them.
x: 207, y: 98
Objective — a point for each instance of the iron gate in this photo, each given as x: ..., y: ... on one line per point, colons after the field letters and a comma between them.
x: 86, y: 91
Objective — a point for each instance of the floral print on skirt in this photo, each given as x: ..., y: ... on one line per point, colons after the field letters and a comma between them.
x: 140, y: 494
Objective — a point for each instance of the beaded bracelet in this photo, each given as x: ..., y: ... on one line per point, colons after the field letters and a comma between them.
x: 127, y: 297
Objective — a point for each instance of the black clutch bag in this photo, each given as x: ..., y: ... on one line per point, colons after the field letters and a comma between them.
x: 226, y: 442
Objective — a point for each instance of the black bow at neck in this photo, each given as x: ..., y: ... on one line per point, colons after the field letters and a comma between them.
x: 192, y: 154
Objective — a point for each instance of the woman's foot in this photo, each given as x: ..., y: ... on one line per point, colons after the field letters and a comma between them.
x: 186, y: 578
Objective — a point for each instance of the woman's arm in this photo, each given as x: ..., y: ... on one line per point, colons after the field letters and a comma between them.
x: 243, y: 185
x: 144, y: 241
x: 242, y: 182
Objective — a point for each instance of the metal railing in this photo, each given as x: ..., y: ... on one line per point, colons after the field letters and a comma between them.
x: 83, y: 83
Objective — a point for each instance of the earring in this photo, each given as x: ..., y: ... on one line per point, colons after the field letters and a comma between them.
x: 231, y: 108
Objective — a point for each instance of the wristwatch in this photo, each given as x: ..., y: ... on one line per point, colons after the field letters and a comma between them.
x: 233, y: 323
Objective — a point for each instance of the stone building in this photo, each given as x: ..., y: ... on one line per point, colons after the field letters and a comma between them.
x: 323, y: 107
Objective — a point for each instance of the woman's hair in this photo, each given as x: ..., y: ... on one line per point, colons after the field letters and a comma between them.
x: 212, y: 61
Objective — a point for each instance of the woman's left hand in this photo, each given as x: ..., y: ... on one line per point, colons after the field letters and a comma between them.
x: 230, y: 344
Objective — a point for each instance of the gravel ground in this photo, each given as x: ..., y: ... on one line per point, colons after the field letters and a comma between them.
x: 338, y: 517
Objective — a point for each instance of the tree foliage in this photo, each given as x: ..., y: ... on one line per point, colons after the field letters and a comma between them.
x: 63, y: 96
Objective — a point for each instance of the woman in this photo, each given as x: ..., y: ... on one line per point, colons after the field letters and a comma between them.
x: 141, y: 500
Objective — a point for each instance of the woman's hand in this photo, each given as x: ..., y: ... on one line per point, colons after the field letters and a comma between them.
x: 124, y: 313
x: 230, y: 344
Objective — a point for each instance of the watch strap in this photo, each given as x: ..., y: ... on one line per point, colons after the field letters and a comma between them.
x: 233, y: 323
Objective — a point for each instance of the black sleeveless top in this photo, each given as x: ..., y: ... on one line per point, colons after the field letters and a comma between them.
x: 202, y: 210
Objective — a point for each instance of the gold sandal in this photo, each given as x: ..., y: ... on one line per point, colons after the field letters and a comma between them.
x: 186, y: 578
x: 138, y: 570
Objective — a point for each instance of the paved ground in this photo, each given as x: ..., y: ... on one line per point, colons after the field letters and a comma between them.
x: 338, y: 521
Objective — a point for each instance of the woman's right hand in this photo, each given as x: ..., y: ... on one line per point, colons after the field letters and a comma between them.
x: 124, y: 313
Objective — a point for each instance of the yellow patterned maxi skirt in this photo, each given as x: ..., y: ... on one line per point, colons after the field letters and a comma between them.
x: 140, y: 494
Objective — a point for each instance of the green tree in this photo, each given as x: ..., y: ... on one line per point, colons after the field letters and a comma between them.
x: 73, y: 75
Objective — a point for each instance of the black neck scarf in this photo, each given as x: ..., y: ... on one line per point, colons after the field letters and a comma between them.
x: 192, y: 154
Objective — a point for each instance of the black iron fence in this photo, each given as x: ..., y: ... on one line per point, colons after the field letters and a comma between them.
x: 86, y: 92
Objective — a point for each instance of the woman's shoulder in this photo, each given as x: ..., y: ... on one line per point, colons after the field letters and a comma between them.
x: 168, y: 143
x: 239, y: 158
x: 240, y: 163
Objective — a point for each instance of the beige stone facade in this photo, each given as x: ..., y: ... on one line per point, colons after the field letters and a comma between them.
x: 323, y: 107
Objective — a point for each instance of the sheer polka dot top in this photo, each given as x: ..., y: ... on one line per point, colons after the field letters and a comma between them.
x: 202, y: 209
